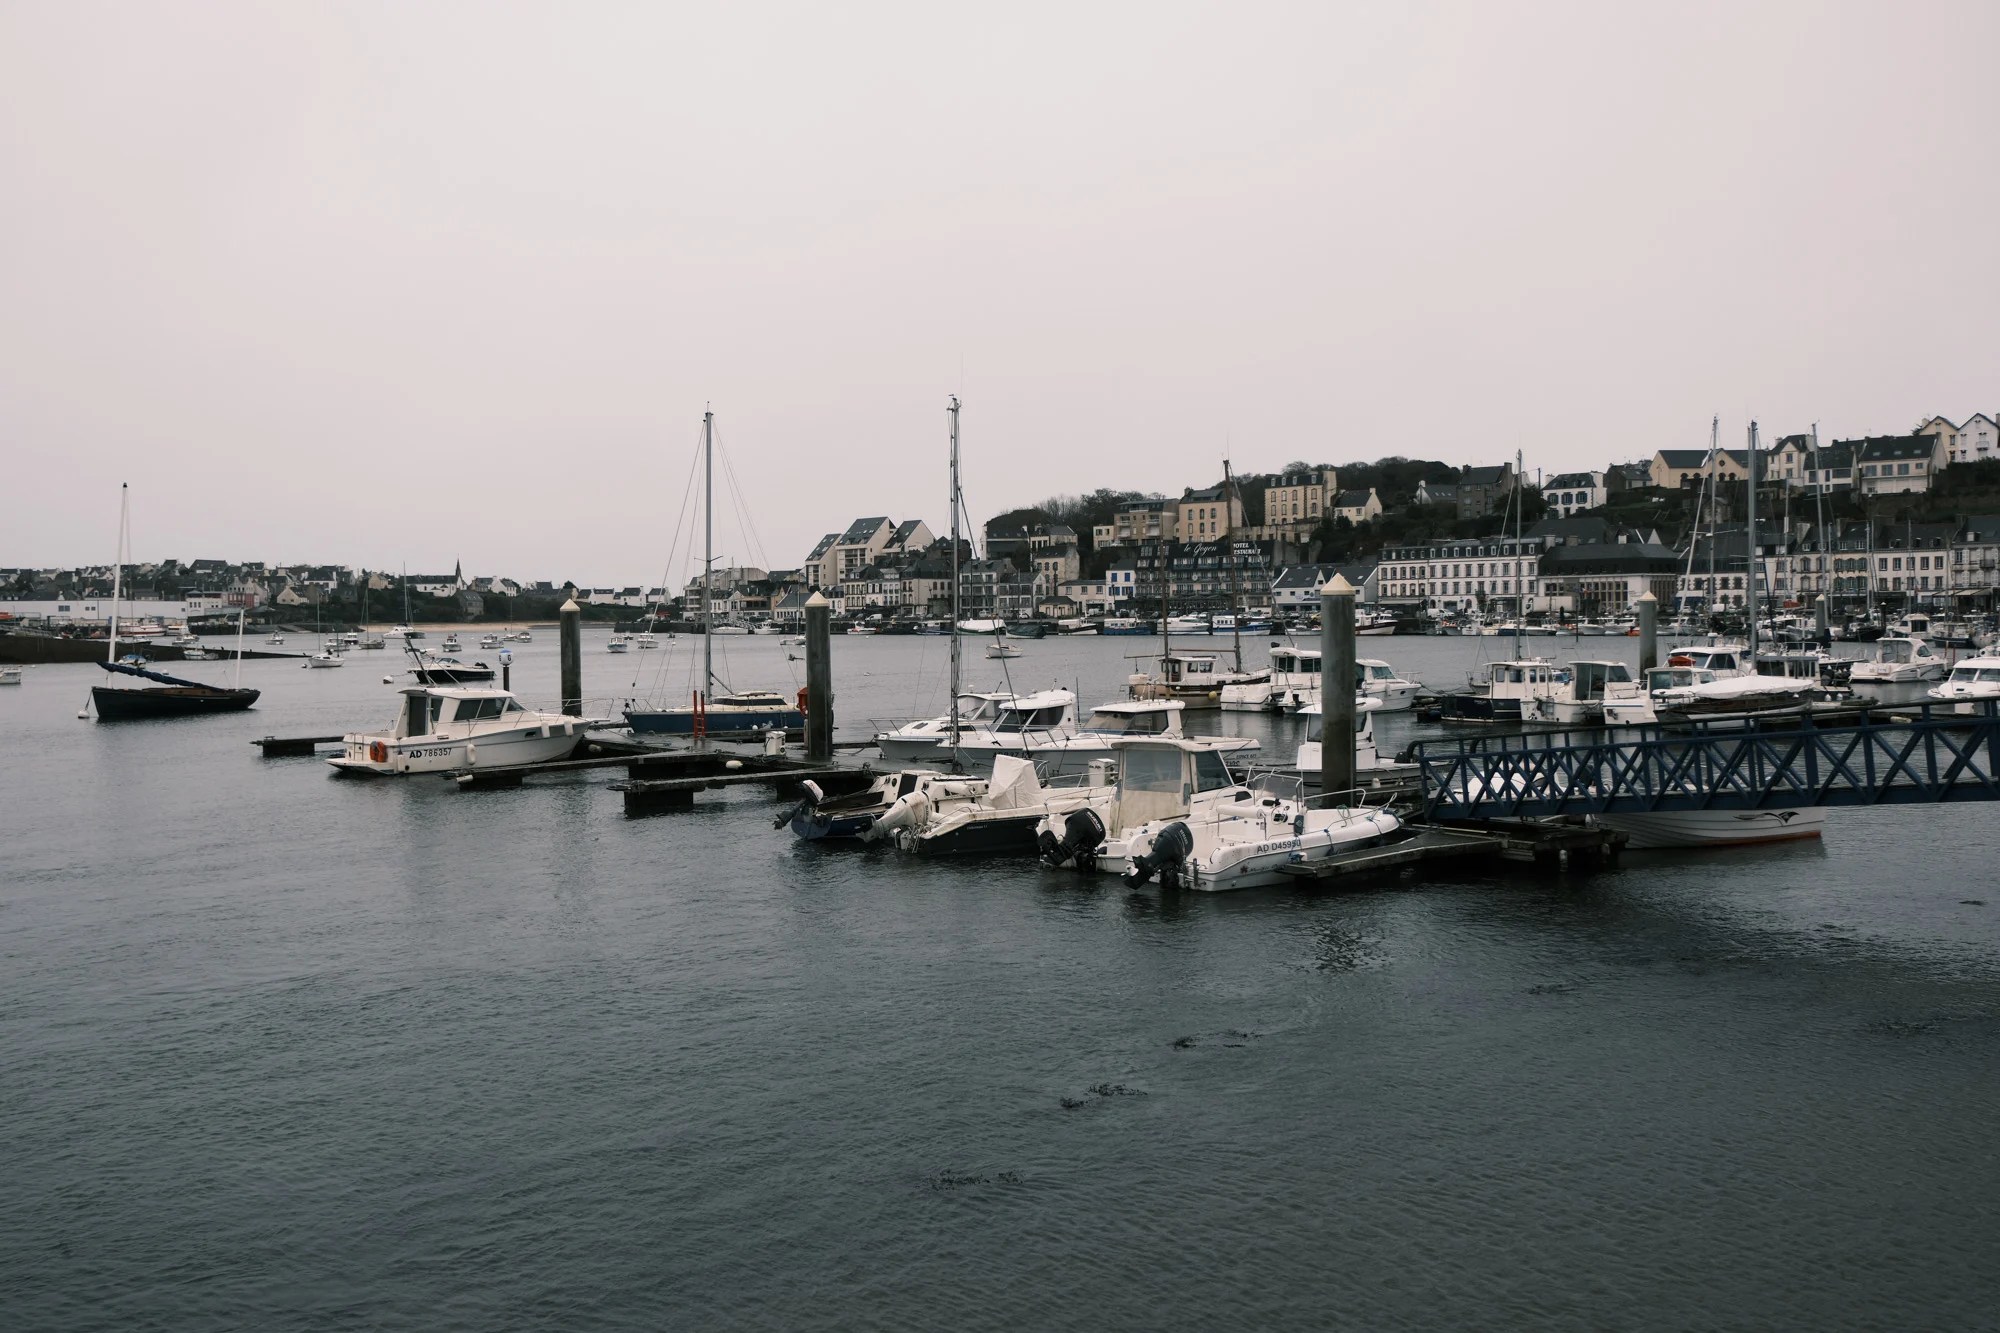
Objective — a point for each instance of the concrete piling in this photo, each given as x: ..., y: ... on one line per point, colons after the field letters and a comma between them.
x: 819, y: 678
x: 571, y: 623
x: 1337, y: 686
x: 1822, y: 628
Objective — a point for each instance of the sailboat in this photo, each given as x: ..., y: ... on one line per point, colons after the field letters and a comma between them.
x: 168, y: 696
x: 709, y: 712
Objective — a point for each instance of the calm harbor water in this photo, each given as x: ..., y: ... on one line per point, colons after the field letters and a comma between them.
x: 285, y: 1051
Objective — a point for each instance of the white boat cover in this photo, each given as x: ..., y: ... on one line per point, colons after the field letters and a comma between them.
x: 1014, y: 785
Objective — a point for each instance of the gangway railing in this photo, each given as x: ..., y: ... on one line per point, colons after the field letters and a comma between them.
x: 1887, y: 756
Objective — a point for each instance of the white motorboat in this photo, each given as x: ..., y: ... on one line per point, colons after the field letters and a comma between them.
x: 981, y: 626
x: 489, y: 641
x: 769, y: 628
x: 1178, y: 813
x: 819, y: 818
x: 450, y: 728
x: 1971, y: 680
x: 1003, y: 821
x: 402, y: 632
x: 1580, y: 697
x: 1041, y: 728
x: 1900, y: 660
x: 645, y: 640
x: 618, y: 646
x: 276, y: 640
x: 521, y: 636
x: 1295, y: 681
x: 1189, y: 624
x: 728, y: 627
x: 452, y: 645
x: 10, y: 675
x: 1000, y: 651
x: 862, y: 629
x: 1369, y: 765
x: 324, y: 659
x: 1683, y: 694
x: 1195, y: 679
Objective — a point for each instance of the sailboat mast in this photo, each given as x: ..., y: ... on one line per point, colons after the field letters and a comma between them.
x: 1229, y: 554
x: 1714, y: 504
x: 118, y: 564
x: 1520, y: 588
x: 1819, y: 522
x: 707, y: 552
x: 1750, y: 474
x: 955, y: 646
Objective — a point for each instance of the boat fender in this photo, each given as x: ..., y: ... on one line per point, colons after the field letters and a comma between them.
x: 802, y: 701
x: 471, y: 753
x: 1083, y: 833
x: 1165, y: 858
x: 378, y: 753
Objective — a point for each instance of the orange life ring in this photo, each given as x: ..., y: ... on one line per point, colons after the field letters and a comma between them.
x: 802, y: 701
x: 378, y: 753
x: 1680, y: 659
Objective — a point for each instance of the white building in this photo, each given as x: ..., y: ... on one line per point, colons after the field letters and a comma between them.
x: 1463, y: 574
x: 1573, y: 492
x: 1974, y: 442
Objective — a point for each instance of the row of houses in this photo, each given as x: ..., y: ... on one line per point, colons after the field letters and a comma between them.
x: 1873, y: 465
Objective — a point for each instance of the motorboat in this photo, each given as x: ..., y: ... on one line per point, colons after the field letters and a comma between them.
x: 403, y: 632
x: 489, y: 641
x: 1898, y: 660
x: 521, y: 635
x: 1369, y: 766
x: 982, y: 626
x: 999, y: 651
x: 10, y: 675
x: 1189, y: 624
x: 1580, y: 702
x: 1125, y: 626
x: 1511, y: 689
x: 432, y: 669
x: 452, y: 645
x: 645, y: 640
x: 276, y: 640
x: 1972, y: 679
x: 1005, y: 820
x: 1179, y: 814
x: 1726, y: 658
x: 1196, y: 679
x: 1660, y: 829
x: 1915, y: 625
x: 734, y: 713
x: 862, y: 629
x: 621, y: 645
x: 925, y: 740
x: 819, y: 818
x: 451, y: 729
x: 728, y: 627
x: 1684, y: 694
x: 1295, y: 682
x: 770, y: 627
x: 1042, y: 728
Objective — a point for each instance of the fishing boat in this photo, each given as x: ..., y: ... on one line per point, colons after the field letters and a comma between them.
x: 452, y: 645
x: 1509, y: 687
x: 167, y: 696
x: 489, y: 641
x: 623, y: 645
x: 646, y: 641
x: 708, y: 711
x: 1579, y: 699
x: 444, y: 729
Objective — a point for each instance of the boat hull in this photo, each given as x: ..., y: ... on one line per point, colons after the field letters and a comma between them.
x: 718, y: 721
x: 1717, y: 828
x: 430, y: 755
x: 115, y: 705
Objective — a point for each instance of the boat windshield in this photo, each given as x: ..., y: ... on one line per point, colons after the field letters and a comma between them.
x: 1894, y: 651
x: 481, y: 710
x: 1210, y: 773
x: 1149, y: 769
x: 1109, y: 723
x: 1029, y: 719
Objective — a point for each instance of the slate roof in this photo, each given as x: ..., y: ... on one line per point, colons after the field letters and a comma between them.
x: 1895, y: 448
x: 1485, y: 476
x: 861, y: 529
x: 905, y: 530
x: 1351, y: 499
x: 1683, y: 458
x: 825, y: 544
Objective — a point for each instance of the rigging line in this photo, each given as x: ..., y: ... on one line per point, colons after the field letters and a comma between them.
x: 680, y: 525
x: 751, y: 536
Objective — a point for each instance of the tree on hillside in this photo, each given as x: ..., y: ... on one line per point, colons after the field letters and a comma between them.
x: 1083, y: 512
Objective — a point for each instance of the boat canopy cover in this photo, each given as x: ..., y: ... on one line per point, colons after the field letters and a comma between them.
x: 164, y: 679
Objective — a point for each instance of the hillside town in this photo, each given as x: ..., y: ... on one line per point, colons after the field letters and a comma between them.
x: 1877, y: 523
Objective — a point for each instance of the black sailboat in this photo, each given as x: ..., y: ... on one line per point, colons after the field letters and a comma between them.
x: 170, y: 696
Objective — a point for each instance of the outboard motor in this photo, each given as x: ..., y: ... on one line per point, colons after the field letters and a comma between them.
x: 1171, y: 847
x: 813, y: 796
x: 1083, y: 833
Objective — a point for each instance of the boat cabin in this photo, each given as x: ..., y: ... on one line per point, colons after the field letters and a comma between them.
x: 1677, y: 678
x: 1160, y: 778
x: 1137, y: 717
x: 427, y: 712
x: 1045, y: 711
x: 1973, y: 678
x: 1529, y: 678
x: 1187, y: 669
x: 1903, y: 652
x: 1722, y: 660
x: 1588, y: 680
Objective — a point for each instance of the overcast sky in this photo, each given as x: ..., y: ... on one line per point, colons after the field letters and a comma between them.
x: 405, y: 283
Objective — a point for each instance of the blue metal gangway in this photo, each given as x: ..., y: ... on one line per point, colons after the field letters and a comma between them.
x: 1908, y: 755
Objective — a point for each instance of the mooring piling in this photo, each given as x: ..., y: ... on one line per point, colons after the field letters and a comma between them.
x: 1649, y: 632
x: 1822, y: 630
x: 1337, y: 686
x: 819, y: 679
x: 571, y: 623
